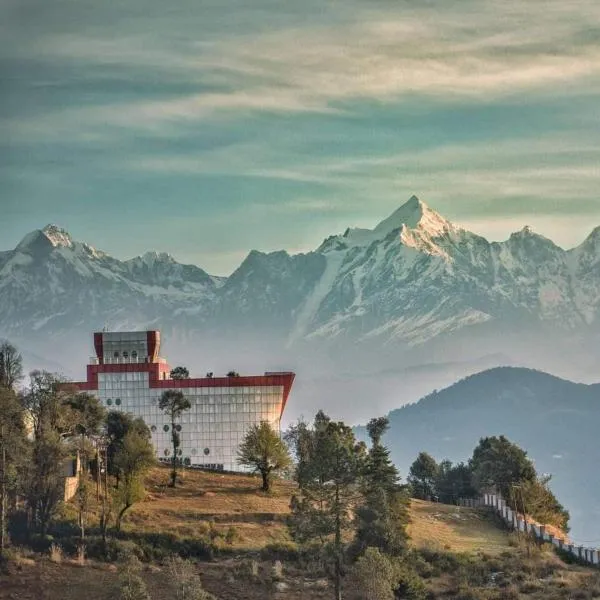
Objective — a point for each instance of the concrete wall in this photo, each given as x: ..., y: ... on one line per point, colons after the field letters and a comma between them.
x: 516, y: 522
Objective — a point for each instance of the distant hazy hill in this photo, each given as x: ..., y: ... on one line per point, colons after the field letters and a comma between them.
x: 556, y: 421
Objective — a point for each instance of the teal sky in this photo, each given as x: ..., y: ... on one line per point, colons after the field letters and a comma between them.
x: 206, y: 128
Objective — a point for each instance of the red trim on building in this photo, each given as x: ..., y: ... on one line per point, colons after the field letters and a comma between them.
x: 153, y: 341
x: 156, y: 381
x: 99, y: 346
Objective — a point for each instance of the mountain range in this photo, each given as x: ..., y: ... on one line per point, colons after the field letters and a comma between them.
x: 388, y: 313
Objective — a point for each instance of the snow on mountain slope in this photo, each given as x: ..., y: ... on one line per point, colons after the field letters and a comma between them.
x: 51, y: 283
x: 412, y: 279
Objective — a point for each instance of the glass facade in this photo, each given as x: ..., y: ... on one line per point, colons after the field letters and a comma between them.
x: 213, y: 428
x: 222, y: 409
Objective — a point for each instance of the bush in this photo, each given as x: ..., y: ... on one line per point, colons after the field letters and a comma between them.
x: 277, y: 571
x: 408, y: 583
x: 285, y: 551
x: 373, y: 576
x: 56, y: 553
x: 132, y: 586
x: 185, y: 580
x: 231, y: 535
x: 248, y: 569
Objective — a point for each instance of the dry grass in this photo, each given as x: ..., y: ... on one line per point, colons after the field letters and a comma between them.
x: 205, y: 503
x: 456, y: 529
x: 211, y: 502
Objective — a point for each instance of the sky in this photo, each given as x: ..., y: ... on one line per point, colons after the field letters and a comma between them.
x: 206, y: 128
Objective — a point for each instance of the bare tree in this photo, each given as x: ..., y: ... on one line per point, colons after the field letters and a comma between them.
x: 11, y: 365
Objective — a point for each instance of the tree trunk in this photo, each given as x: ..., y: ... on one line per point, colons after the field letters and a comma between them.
x: 174, y: 461
x: 120, y: 516
x: 266, y: 484
x: 3, y: 498
x: 338, y: 546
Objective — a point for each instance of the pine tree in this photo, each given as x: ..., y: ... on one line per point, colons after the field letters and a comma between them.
x: 383, y: 516
x: 330, y: 462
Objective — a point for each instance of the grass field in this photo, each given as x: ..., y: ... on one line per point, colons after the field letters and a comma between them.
x: 456, y: 529
x: 222, y: 501
x: 216, y: 501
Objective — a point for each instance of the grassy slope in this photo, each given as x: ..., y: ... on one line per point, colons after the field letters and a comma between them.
x: 456, y: 529
x: 259, y: 519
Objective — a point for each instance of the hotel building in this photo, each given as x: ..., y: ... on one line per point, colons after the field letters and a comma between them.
x: 128, y: 375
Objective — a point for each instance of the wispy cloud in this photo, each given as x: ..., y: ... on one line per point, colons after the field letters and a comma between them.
x: 318, y: 114
x: 474, y: 51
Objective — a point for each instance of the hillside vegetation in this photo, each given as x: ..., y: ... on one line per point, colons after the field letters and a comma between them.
x: 459, y: 552
x: 550, y: 417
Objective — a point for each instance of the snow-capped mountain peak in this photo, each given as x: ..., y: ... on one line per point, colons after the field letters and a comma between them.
x: 153, y: 257
x: 416, y: 223
x: 57, y: 236
x: 414, y: 214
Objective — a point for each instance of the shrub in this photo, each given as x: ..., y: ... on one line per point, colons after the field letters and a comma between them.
x: 185, y: 581
x: 373, y: 576
x: 231, y: 535
x: 248, y: 569
x: 56, y: 553
x: 285, y: 551
x: 277, y: 571
x: 132, y: 586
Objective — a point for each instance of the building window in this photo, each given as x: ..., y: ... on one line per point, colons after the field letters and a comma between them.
x: 153, y: 429
x: 116, y: 355
x: 134, y: 354
x: 118, y: 401
x: 178, y: 427
x: 165, y: 428
x: 125, y: 354
x: 187, y: 461
x: 167, y: 452
x: 206, y: 451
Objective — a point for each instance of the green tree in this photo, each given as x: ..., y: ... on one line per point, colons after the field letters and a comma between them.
x: 11, y: 365
x: 88, y: 416
x: 13, y: 454
x: 180, y: 373
x: 538, y: 501
x: 173, y: 403
x: 328, y: 471
x: 264, y: 451
x: 454, y: 482
x: 383, y: 516
x: 423, y: 475
x: 498, y: 465
x: 118, y: 425
x: 133, y: 459
x: 52, y: 420
x: 46, y: 406
x: 44, y: 478
x: 373, y: 576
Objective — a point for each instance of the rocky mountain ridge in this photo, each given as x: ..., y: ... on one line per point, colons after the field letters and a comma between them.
x: 413, y: 286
